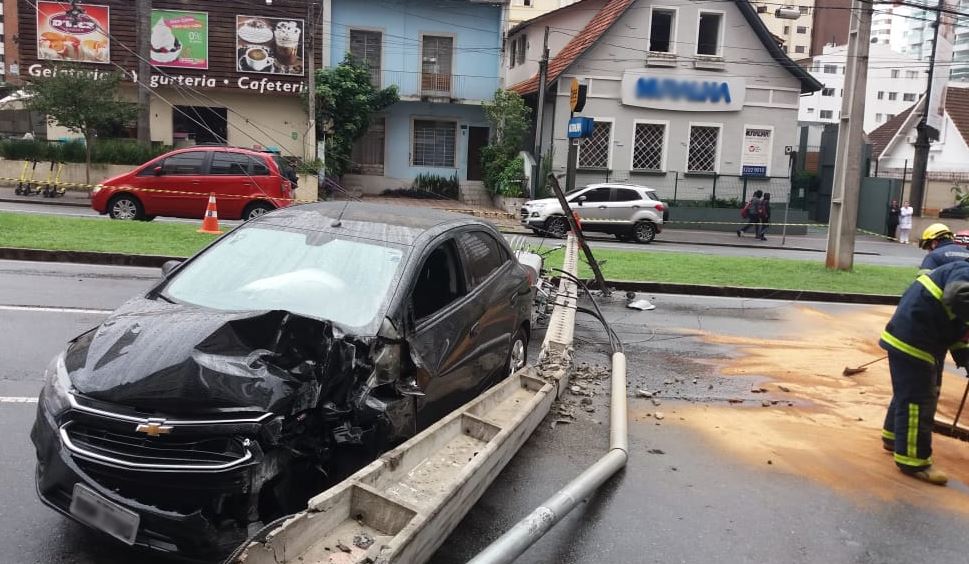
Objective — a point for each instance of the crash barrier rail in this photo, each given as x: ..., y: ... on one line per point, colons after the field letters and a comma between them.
x: 401, y: 507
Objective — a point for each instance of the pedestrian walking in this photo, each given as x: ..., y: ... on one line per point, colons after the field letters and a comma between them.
x: 938, y: 240
x: 764, y: 214
x: 893, y: 212
x: 904, y: 222
x: 931, y: 318
x: 752, y: 214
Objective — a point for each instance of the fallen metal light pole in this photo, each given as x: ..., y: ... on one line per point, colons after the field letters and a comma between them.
x: 526, y: 532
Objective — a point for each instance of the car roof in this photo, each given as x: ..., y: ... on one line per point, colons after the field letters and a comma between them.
x: 397, y: 224
x: 620, y: 185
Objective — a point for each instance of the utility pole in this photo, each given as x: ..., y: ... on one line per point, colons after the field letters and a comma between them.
x: 143, y: 27
x: 311, y: 86
x: 847, y: 167
x: 921, y: 160
x: 540, y: 118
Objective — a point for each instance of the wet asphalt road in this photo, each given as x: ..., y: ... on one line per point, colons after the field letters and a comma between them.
x: 688, y: 504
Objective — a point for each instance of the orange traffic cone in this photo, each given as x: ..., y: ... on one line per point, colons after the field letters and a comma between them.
x: 210, y: 223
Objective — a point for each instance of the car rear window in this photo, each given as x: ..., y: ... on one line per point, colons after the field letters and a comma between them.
x: 259, y: 167
x: 284, y: 167
x: 229, y: 163
x: 347, y: 281
x: 625, y: 195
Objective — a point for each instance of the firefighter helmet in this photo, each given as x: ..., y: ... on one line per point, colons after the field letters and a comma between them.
x: 933, y: 232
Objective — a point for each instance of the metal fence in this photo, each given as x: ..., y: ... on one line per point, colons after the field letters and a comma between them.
x: 715, y: 190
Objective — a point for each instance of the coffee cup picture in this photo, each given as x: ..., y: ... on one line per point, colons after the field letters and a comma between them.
x: 269, y: 45
x: 258, y: 58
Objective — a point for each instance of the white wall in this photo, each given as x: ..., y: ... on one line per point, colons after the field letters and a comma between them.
x: 950, y: 153
x: 567, y: 25
x: 883, y: 60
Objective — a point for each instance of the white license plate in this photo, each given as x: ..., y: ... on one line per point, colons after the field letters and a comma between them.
x: 105, y: 515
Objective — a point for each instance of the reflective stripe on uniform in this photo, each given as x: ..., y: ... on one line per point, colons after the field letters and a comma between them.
x: 936, y: 292
x: 923, y: 272
x: 888, y: 435
x: 911, y: 444
x: 912, y: 461
x: 906, y: 348
x: 959, y: 345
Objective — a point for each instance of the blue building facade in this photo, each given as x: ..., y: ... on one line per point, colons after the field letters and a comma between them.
x: 444, y: 57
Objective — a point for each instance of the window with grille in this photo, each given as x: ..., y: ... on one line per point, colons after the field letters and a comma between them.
x: 801, y: 29
x: 881, y: 94
x: 827, y: 91
x: 893, y: 96
x: 365, y: 48
x: 703, y: 149
x: 648, y: 146
x: 367, y: 154
x: 830, y: 69
x: 434, y: 143
x: 908, y: 97
x: 594, y: 151
x: 826, y: 114
x: 661, y: 28
x: 522, y: 47
x: 436, y: 56
x: 799, y: 49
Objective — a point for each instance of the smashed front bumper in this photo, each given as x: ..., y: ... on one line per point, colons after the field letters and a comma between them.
x: 198, y: 514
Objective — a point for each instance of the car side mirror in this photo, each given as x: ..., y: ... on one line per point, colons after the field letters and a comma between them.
x: 158, y: 171
x: 580, y: 199
x: 169, y: 266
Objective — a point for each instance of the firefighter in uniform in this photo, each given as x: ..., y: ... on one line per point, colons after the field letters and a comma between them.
x: 937, y: 239
x: 931, y: 318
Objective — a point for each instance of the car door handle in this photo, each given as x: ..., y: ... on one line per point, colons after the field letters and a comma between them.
x: 475, y: 330
x: 602, y: 207
x: 635, y: 207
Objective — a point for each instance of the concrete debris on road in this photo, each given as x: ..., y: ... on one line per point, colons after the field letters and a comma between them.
x: 659, y: 415
x: 644, y: 393
x: 783, y: 388
x: 657, y: 402
x: 641, y: 305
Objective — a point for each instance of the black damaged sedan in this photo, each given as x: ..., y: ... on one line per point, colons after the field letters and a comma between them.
x: 274, y: 363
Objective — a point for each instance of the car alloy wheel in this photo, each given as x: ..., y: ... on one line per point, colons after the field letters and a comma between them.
x: 644, y: 232
x: 518, y: 354
x: 125, y: 208
x: 256, y: 210
x: 557, y: 227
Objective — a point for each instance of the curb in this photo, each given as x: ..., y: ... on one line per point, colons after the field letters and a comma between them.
x: 49, y: 202
x: 754, y: 293
x: 85, y: 257
x: 155, y: 261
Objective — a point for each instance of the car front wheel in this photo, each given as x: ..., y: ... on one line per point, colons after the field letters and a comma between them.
x: 644, y: 232
x: 518, y: 354
x: 126, y: 207
x: 557, y: 226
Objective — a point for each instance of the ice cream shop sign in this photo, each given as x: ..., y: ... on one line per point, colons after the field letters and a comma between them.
x: 263, y: 85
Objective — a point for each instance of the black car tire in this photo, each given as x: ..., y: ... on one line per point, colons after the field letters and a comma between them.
x: 255, y: 210
x: 557, y: 226
x: 126, y: 207
x: 518, y: 351
x: 644, y: 232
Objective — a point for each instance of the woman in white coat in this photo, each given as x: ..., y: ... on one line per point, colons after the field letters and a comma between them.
x: 904, y: 222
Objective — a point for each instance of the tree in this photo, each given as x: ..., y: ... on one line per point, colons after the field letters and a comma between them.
x: 82, y: 101
x: 346, y: 99
x: 509, y: 118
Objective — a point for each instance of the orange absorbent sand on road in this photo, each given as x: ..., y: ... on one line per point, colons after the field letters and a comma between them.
x: 831, y: 434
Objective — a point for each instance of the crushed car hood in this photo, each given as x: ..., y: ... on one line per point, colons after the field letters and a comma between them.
x: 154, y: 355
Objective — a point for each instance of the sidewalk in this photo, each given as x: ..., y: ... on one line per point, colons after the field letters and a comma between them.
x: 70, y: 198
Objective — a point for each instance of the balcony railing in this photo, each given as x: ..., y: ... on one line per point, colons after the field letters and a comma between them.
x: 433, y: 84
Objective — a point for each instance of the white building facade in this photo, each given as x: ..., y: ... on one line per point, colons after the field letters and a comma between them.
x: 795, y: 33
x: 895, y: 82
x: 674, y: 106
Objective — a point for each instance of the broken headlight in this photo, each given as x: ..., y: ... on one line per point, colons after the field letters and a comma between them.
x: 55, y: 397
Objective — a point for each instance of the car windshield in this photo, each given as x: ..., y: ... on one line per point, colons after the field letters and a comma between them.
x: 347, y: 281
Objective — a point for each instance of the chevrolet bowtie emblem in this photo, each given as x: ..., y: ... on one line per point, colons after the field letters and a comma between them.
x: 154, y: 428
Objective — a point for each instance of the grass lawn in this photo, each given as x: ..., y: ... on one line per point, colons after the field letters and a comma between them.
x: 181, y: 240
x: 103, y: 235
x: 750, y: 272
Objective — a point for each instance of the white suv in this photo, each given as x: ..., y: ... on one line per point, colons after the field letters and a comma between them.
x: 627, y: 211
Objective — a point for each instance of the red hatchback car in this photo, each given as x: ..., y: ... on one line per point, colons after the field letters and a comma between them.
x: 246, y: 184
